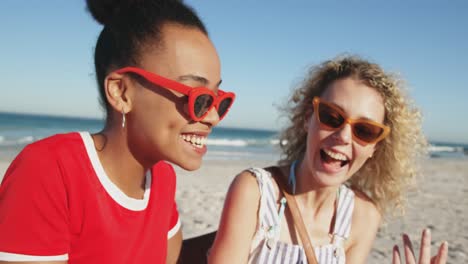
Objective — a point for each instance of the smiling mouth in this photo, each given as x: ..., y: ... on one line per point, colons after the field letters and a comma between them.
x: 332, y: 157
x: 196, y: 140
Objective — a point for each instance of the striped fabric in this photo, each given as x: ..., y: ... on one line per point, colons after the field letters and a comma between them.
x: 266, y: 247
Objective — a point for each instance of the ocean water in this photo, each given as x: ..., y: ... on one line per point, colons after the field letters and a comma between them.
x: 18, y: 130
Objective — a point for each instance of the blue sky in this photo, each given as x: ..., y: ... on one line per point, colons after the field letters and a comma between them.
x: 265, y: 48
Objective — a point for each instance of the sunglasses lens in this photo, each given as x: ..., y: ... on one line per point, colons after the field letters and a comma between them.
x: 329, y: 116
x: 202, y: 104
x: 224, y: 107
x: 367, y: 132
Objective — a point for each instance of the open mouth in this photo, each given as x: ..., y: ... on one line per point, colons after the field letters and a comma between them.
x: 333, y: 158
x: 196, y: 140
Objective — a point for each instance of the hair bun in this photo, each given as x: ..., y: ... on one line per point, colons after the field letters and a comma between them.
x: 105, y: 11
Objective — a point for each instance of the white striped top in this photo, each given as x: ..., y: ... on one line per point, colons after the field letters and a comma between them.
x: 266, y: 247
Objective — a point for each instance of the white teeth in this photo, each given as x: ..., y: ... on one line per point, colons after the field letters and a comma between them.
x: 334, y: 155
x: 195, y: 140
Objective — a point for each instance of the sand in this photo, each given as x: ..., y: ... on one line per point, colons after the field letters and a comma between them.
x: 441, y: 203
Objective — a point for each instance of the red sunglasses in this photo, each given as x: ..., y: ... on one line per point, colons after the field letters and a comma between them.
x: 333, y: 118
x: 200, y: 99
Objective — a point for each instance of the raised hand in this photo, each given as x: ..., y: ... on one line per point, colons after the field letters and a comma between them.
x: 424, y: 251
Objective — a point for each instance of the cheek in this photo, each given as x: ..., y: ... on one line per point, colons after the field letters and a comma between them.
x: 367, y: 151
x: 166, y: 118
x: 315, y: 138
x: 318, y: 135
x: 158, y: 105
x: 361, y: 154
x: 313, y: 129
x: 157, y: 115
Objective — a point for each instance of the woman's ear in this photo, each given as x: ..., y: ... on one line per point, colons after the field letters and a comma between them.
x: 117, y: 92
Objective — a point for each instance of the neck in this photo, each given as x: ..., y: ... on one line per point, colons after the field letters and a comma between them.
x: 311, y: 194
x: 122, y: 168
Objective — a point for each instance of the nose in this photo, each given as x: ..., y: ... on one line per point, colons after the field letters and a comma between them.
x: 344, y: 135
x: 212, y: 117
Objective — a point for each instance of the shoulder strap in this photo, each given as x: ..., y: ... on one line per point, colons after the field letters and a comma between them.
x: 267, y: 198
x: 298, y: 222
x: 344, y: 212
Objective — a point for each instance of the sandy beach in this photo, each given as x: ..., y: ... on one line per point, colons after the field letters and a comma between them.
x: 440, y: 203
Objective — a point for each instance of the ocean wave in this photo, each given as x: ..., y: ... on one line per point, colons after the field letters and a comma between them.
x: 20, y: 141
x: 241, y: 142
x: 433, y: 148
x: 227, y: 142
x: 274, y: 141
x: 25, y: 140
x: 440, y: 150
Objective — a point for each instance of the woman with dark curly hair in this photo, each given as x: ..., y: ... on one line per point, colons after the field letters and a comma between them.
x: 109, y: 197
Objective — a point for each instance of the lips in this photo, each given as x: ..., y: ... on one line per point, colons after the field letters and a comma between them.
x: 334, y: 158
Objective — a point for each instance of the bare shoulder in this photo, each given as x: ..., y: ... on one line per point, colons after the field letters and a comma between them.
x: 365, y: 207
x: 245, y: 183
x: 238, y: 220
x: 243, y: 193
x: 366, y: 217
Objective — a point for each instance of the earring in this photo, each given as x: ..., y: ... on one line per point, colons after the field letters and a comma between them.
x: 123, y: 118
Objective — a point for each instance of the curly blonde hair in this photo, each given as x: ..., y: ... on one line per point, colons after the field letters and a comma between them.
x: 393, y: 166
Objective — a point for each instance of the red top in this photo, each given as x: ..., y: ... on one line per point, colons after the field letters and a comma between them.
x: 57, y: 203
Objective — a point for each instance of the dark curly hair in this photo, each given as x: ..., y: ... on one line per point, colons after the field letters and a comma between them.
x: 130, y: 26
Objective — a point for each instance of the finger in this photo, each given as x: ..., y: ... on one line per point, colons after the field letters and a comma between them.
x: 409, y: 252
x: 396, y: 255
x: 441, y: 257
x: 425, y: 250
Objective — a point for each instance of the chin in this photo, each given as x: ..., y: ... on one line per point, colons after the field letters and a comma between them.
x: 327, y: 180
x: 190, y: 166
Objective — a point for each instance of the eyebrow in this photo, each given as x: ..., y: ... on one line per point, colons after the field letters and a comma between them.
x: 197, y: 78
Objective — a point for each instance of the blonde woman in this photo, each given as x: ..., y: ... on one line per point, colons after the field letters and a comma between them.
x: 349, y: 152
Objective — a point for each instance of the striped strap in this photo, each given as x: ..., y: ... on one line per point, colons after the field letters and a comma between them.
x: 344, y: 212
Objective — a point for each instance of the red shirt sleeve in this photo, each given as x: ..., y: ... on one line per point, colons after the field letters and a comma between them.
x: 165, y: 174
x: 34, y: 218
